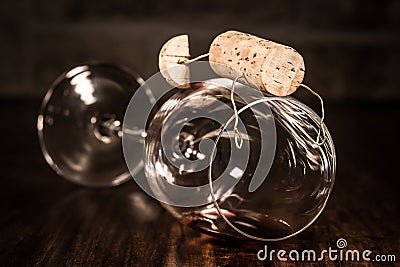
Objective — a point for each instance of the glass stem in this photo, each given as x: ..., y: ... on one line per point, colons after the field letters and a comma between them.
x: 111, y: 127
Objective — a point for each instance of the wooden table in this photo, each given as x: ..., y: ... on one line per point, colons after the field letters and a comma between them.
x: 46, y: 220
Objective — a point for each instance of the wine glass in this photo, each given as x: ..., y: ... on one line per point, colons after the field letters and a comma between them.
x: 271, y: 188
x: 79, y: 124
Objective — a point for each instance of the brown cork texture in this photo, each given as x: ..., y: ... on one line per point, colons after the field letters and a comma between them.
x: 266, y: 65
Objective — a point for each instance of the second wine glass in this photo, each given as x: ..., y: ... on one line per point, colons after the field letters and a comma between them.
x: 80, y: 124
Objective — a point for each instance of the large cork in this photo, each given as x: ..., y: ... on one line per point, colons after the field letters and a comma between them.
x: 266, y: 65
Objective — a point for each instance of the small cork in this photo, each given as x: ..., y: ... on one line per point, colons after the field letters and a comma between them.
x: 174, y: 52
x: 266, y: 65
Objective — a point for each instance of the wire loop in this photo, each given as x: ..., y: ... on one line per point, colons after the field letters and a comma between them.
x: 321, y: 131
x: 238, y: 135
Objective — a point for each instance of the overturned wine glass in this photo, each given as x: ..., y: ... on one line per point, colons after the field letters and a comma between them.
x: 80, y: 124
x: 271, y: 187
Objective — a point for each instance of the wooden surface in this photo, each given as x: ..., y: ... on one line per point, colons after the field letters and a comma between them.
x: 46, y: 220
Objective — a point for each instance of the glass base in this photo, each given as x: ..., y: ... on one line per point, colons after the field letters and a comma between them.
x: 79, y: 124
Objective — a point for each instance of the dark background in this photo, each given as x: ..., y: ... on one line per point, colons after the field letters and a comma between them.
x: 351, y: 47
x: 352, y: 55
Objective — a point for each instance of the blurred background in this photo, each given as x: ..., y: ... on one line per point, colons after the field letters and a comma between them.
x: 352, y: 53
x: 351, y: 47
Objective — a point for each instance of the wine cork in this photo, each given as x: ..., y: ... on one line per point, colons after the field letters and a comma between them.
x: 266, y: 65
x: 174, y: 52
